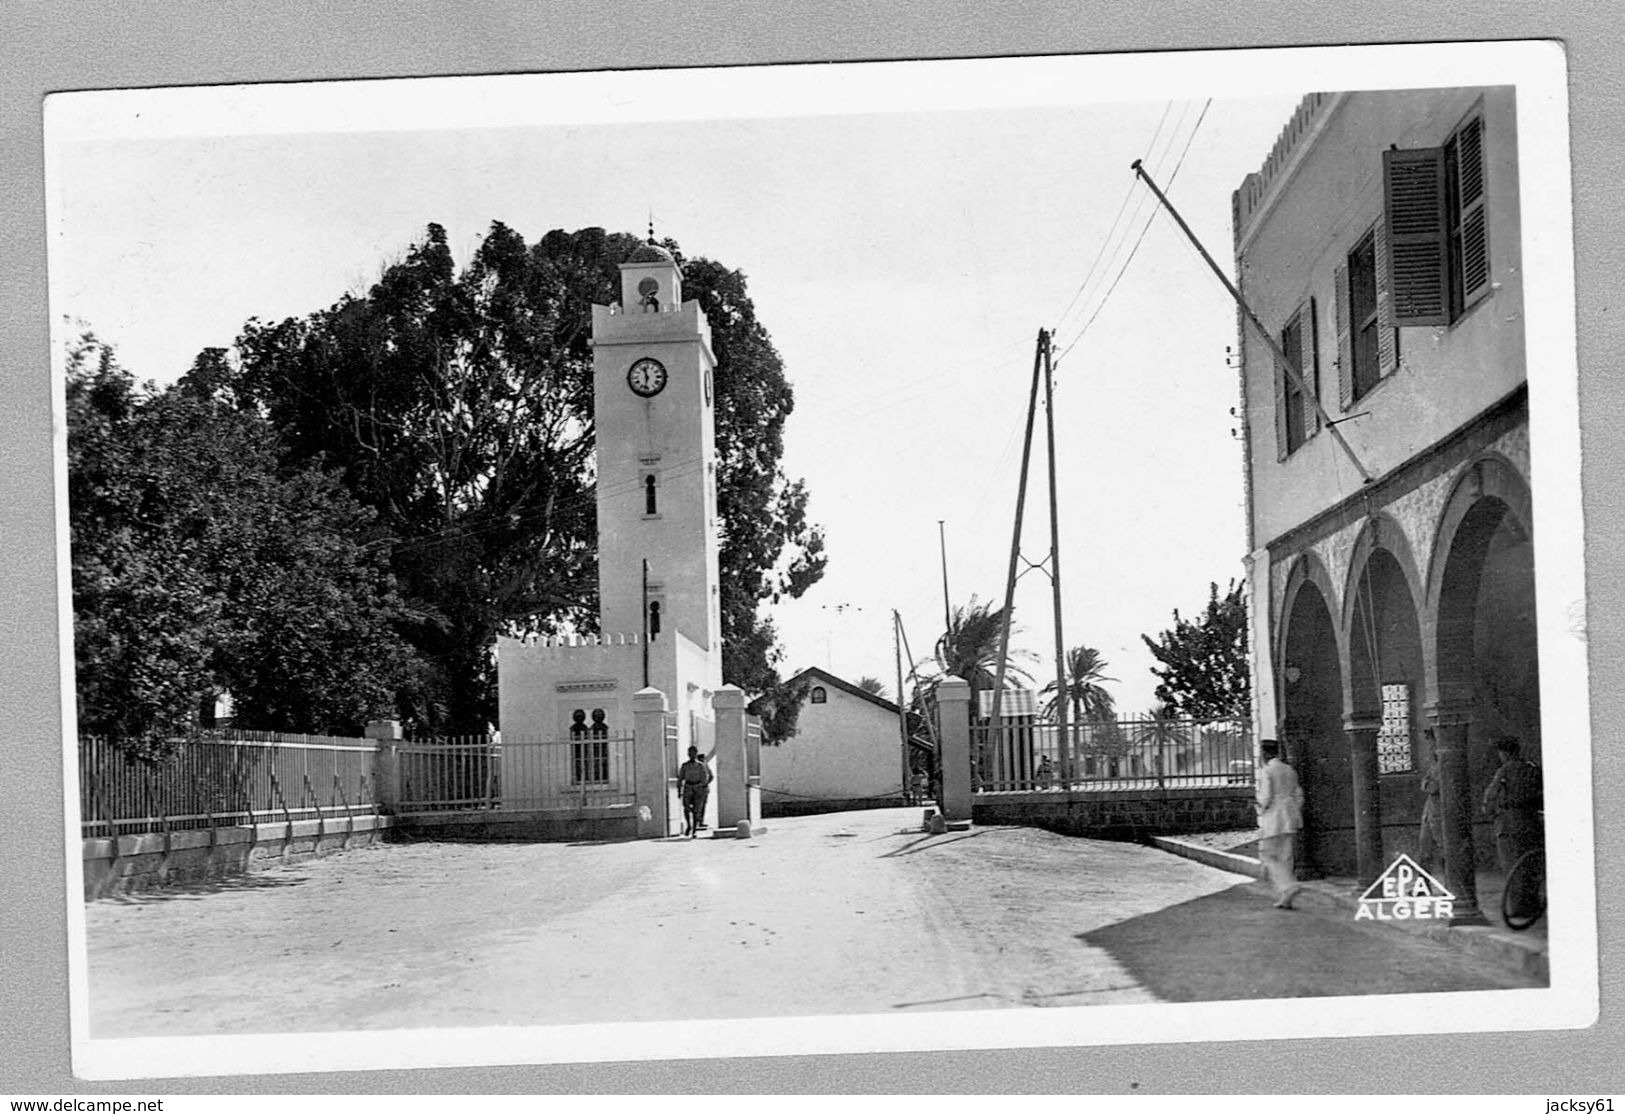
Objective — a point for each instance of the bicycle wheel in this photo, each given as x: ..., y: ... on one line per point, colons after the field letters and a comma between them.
x: 1523, y: 902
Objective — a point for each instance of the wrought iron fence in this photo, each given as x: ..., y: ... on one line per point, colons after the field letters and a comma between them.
x: 523, y: 774
x: 1024, y: 755
x: 222, y: 780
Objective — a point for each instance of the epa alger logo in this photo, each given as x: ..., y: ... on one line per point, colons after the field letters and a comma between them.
x: 1405, y: 892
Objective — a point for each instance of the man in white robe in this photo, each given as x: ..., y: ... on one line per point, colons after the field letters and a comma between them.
x: 1280, y: 818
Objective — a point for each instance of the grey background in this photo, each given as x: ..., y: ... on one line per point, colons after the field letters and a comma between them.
x: 48, y: 47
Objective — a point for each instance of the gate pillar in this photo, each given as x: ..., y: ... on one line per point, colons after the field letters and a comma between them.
x: 652, y: 767
x: 386, y: 763
x: 953, y: 703
x: 733, y: 762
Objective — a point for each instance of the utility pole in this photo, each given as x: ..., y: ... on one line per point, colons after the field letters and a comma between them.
x: 1288, y: 362
x: 1065, y: 752
x: 913, y: 675
x: 947, y: 615
x: 902, y: 712
x: 1015, y: 542
x: 645, y: 622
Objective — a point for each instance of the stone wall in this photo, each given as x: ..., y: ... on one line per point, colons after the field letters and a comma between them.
x: 132, y: 863
x: 1124, y: 815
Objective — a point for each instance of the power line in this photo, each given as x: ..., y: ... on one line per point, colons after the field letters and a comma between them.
x: 1128, y: 195
x: 1146, y: 228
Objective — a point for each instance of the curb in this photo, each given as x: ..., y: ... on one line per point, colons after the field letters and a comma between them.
x: 1522, y: 955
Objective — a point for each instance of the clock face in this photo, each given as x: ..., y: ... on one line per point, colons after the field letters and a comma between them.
x: 646, y: 377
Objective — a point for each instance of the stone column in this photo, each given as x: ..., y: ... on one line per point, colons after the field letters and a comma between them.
x: 733, y: 786
x: 386, y: 763
x: 1363, y: 766
x: 1457, y: 808
x: 953, y: 704
x: 652, y: 766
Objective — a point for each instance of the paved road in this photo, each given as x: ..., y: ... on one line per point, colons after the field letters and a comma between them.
x: 847, y: 913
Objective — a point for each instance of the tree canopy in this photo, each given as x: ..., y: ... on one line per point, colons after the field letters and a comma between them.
x: 201, y: 565
x: 1203, y: 673
x: 457, y: 406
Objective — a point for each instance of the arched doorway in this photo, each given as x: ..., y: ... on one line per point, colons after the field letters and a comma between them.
x: 1310, y: 680
x: 1487, y: 659
x: 1386, y: 688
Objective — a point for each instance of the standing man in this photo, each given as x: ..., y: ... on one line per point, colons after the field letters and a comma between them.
x: 1280, y: 818
x: 694, y: 783
x: 1514, y: 798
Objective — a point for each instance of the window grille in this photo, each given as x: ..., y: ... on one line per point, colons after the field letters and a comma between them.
x: 1394, y: 748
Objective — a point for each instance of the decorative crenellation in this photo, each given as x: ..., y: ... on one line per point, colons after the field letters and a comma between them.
x: 569, y: 641
x: 1246, y: 200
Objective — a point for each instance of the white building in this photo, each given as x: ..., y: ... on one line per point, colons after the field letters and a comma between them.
x: 1391, y: 571
x: 847, y: 751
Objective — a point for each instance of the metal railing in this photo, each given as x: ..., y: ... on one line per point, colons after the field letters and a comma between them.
x: 1024, y: 755
x: 515, y: 774
x: 223, y: 780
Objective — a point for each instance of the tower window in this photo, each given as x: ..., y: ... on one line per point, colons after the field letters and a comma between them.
x: 649, y: 295
x: 650, y: 501
x: 819, y: 696
x: 654, y: 618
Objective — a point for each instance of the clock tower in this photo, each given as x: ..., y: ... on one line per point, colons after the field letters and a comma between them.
x: 653, y: 404
x: 569, y: 704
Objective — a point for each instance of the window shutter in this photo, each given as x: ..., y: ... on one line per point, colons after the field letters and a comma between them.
x: 1309, y: 365
x: 1387, y: 338
x: 1475, y: 254
x: 1279, y: 375
x: 1345, y: 343
x: 1413, y: 196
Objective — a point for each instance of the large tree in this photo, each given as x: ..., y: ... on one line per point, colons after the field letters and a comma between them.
x: 458, y: 405
x: 201, y: 565
x: 1203, y: 673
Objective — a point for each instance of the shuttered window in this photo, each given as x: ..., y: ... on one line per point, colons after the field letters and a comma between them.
x: 1414, y: 210
x: 1367, y: 342
x: 1464, y: 197
x: 1363, y: 315
x: 1296, y: 415
x: 1437, y: 241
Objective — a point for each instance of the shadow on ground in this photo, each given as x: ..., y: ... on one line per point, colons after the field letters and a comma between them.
x: 925, y: 843
x: 1234, y: 944
x: 192, y: 891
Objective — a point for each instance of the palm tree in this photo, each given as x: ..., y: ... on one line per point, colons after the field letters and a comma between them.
x: 1160, y: 730
x: 969, y: 648
x: 874, y: 686
x: 1088, y: 698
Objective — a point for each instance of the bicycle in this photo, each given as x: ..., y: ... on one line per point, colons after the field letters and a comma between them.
x: 1523, y: 902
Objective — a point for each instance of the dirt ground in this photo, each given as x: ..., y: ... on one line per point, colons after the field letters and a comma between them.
x: 844, y: 913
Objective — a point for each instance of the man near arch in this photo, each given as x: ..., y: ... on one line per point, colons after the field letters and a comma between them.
x: 1280, y: 818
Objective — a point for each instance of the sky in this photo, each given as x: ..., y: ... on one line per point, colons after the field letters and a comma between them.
x: 906, y: 230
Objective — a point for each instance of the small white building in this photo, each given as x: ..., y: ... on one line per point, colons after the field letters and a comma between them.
x: 846, y: 753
